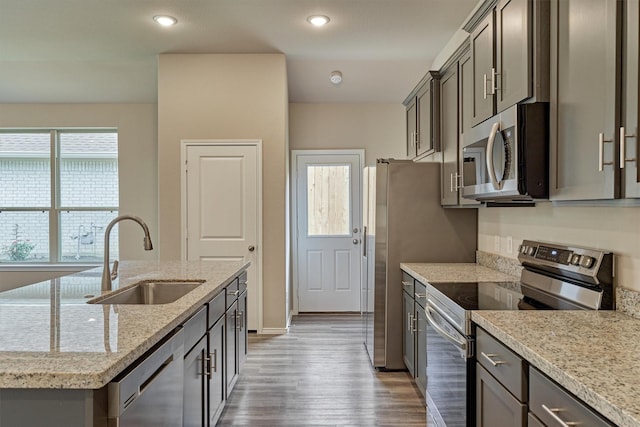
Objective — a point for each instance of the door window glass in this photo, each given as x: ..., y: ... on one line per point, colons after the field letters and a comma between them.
x: 328, y: 200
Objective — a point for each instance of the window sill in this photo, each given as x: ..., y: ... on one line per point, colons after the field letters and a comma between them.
x: 47, y: 267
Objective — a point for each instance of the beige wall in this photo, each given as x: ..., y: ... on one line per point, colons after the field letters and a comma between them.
x: 612, y: 228
x: 378, y: 128
x: 228, y: 96
x: 137, y: 163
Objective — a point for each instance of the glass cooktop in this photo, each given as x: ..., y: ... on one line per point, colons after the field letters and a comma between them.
x: 482, y: 295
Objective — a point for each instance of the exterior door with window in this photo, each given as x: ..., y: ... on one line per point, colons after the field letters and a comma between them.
x: 328, y: 204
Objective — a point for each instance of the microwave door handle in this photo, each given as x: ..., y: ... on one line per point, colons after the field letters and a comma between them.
x: 490, y: 166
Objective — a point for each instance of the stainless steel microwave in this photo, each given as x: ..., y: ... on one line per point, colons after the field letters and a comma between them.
x: 506, y: 157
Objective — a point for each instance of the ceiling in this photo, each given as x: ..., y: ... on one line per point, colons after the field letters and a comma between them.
x: 104, y: 51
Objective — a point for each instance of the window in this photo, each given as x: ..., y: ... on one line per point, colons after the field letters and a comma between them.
x: 59, y: 191
x: 328, y: 200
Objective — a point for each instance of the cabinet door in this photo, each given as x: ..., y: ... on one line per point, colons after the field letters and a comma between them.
x: 449, y: 136
x: 408, y: 339
x: 425, y: 140
x: 412, y: 128
x: 495, y: 406
x: 195, y: 381
x: 421, y: 350
x: 631, y: 171
x: 466, y: 95
x: 242, y: 330
x: 584, y: 99
x: 231, y: 343
x: 216, y: 386
x: 513, y: 52
x: 482, y: 56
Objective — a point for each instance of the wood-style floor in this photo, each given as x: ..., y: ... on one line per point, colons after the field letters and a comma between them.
x: 319, y: 375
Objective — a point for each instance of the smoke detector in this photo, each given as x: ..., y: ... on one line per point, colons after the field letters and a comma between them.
x: 336, y: 77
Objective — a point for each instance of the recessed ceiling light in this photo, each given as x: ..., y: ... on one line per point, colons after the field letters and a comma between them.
x: 318, y: 20
x: 165, y: 20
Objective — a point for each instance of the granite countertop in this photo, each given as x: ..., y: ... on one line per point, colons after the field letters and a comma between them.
x: 455, y: 272
x: 593, y: 354
x: 51, y: 338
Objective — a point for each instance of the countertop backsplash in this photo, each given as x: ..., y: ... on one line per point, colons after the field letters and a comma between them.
x: 504, y: 265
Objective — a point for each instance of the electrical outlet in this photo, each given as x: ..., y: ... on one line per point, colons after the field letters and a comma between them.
x: 509, y: 244
x: 496, y: 244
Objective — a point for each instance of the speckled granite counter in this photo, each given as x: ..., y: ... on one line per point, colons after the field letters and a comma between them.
x: 51, y: 338
x: 593, y: 354
x: 455, y: 272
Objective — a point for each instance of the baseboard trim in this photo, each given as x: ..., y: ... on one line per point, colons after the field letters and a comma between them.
x: 275, y: 331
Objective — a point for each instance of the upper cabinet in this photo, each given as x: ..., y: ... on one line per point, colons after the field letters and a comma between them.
x: 594, y: 95
x: 422, y: 109
x: 454, y: 113
x: 509, y: 56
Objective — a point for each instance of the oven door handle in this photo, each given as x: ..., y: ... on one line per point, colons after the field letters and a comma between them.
x: 462, y: 344
x: 490, y: 166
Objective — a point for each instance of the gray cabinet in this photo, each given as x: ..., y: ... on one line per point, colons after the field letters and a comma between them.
x: 454, y: 112
x: 585, y: 96
x: 551, y: 405
x: 414, y: 336
x: 629, y: 145
x: 495, y: 406
x: 215, y: 385
x: 408, y: 337
x: 509, y: 54
x: 501, y: 384
x: 422, y: 117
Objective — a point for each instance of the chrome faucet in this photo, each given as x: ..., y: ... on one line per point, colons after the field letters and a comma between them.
x: 108, y: 276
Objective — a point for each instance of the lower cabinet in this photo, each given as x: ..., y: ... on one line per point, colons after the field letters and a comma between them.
x: 213, y: 363
x: 414, y: 336
x: 495, y: 406
x: 511, y: 393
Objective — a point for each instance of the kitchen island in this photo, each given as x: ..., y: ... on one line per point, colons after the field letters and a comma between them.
x: 56, y: 347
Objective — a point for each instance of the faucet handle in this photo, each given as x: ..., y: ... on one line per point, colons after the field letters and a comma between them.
x: 114, y: 270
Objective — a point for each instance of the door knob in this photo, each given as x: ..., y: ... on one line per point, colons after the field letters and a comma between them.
x: 252, y: 248
x: 356, y: 241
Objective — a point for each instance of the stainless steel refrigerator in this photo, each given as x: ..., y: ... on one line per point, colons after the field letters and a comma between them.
x: 404, y: 222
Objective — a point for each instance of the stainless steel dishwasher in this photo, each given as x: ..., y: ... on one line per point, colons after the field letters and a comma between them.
x: 149, y: 393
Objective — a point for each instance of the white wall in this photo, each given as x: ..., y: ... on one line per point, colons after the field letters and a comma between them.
x: 228, y: 96
x: 616, y: 229
x: 137, y: 163
x: 378, y: 128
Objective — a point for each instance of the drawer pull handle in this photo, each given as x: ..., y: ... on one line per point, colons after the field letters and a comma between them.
x: 553, y: 413
x: 420, y: 296
x: 489, y: 358
x: 234, y: 293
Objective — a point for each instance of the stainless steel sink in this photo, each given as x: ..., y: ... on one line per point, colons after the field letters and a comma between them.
x: 149, y: 292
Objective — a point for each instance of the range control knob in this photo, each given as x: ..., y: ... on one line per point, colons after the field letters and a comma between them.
x: 531, y: 250
x: 523, y: 249
x: 575, y: 259
x: 587, y: 261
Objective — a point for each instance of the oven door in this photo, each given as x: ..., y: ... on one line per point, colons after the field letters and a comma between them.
x: 449, y: 372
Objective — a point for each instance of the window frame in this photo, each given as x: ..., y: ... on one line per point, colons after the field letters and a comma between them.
x: 55, y: 209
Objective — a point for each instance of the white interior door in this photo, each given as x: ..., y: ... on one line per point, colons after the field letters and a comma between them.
x: 223, y: 209
x: 328, y: 219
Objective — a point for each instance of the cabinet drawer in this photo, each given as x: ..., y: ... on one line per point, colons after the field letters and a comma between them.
x: 506, y: 366
x: 194, y: 329
x: 407, y: 283
x: 242, y: 282
x: 555, y: 406
x: 232, y: 292
x: 420, y: 294
x: 217, y: 308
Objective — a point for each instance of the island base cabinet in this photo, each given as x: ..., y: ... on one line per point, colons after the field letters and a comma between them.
x: 215, y: 386
x: 53, y: 408
x: 195, y: 372
x: 495, y: 406
x: 231, y: 343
